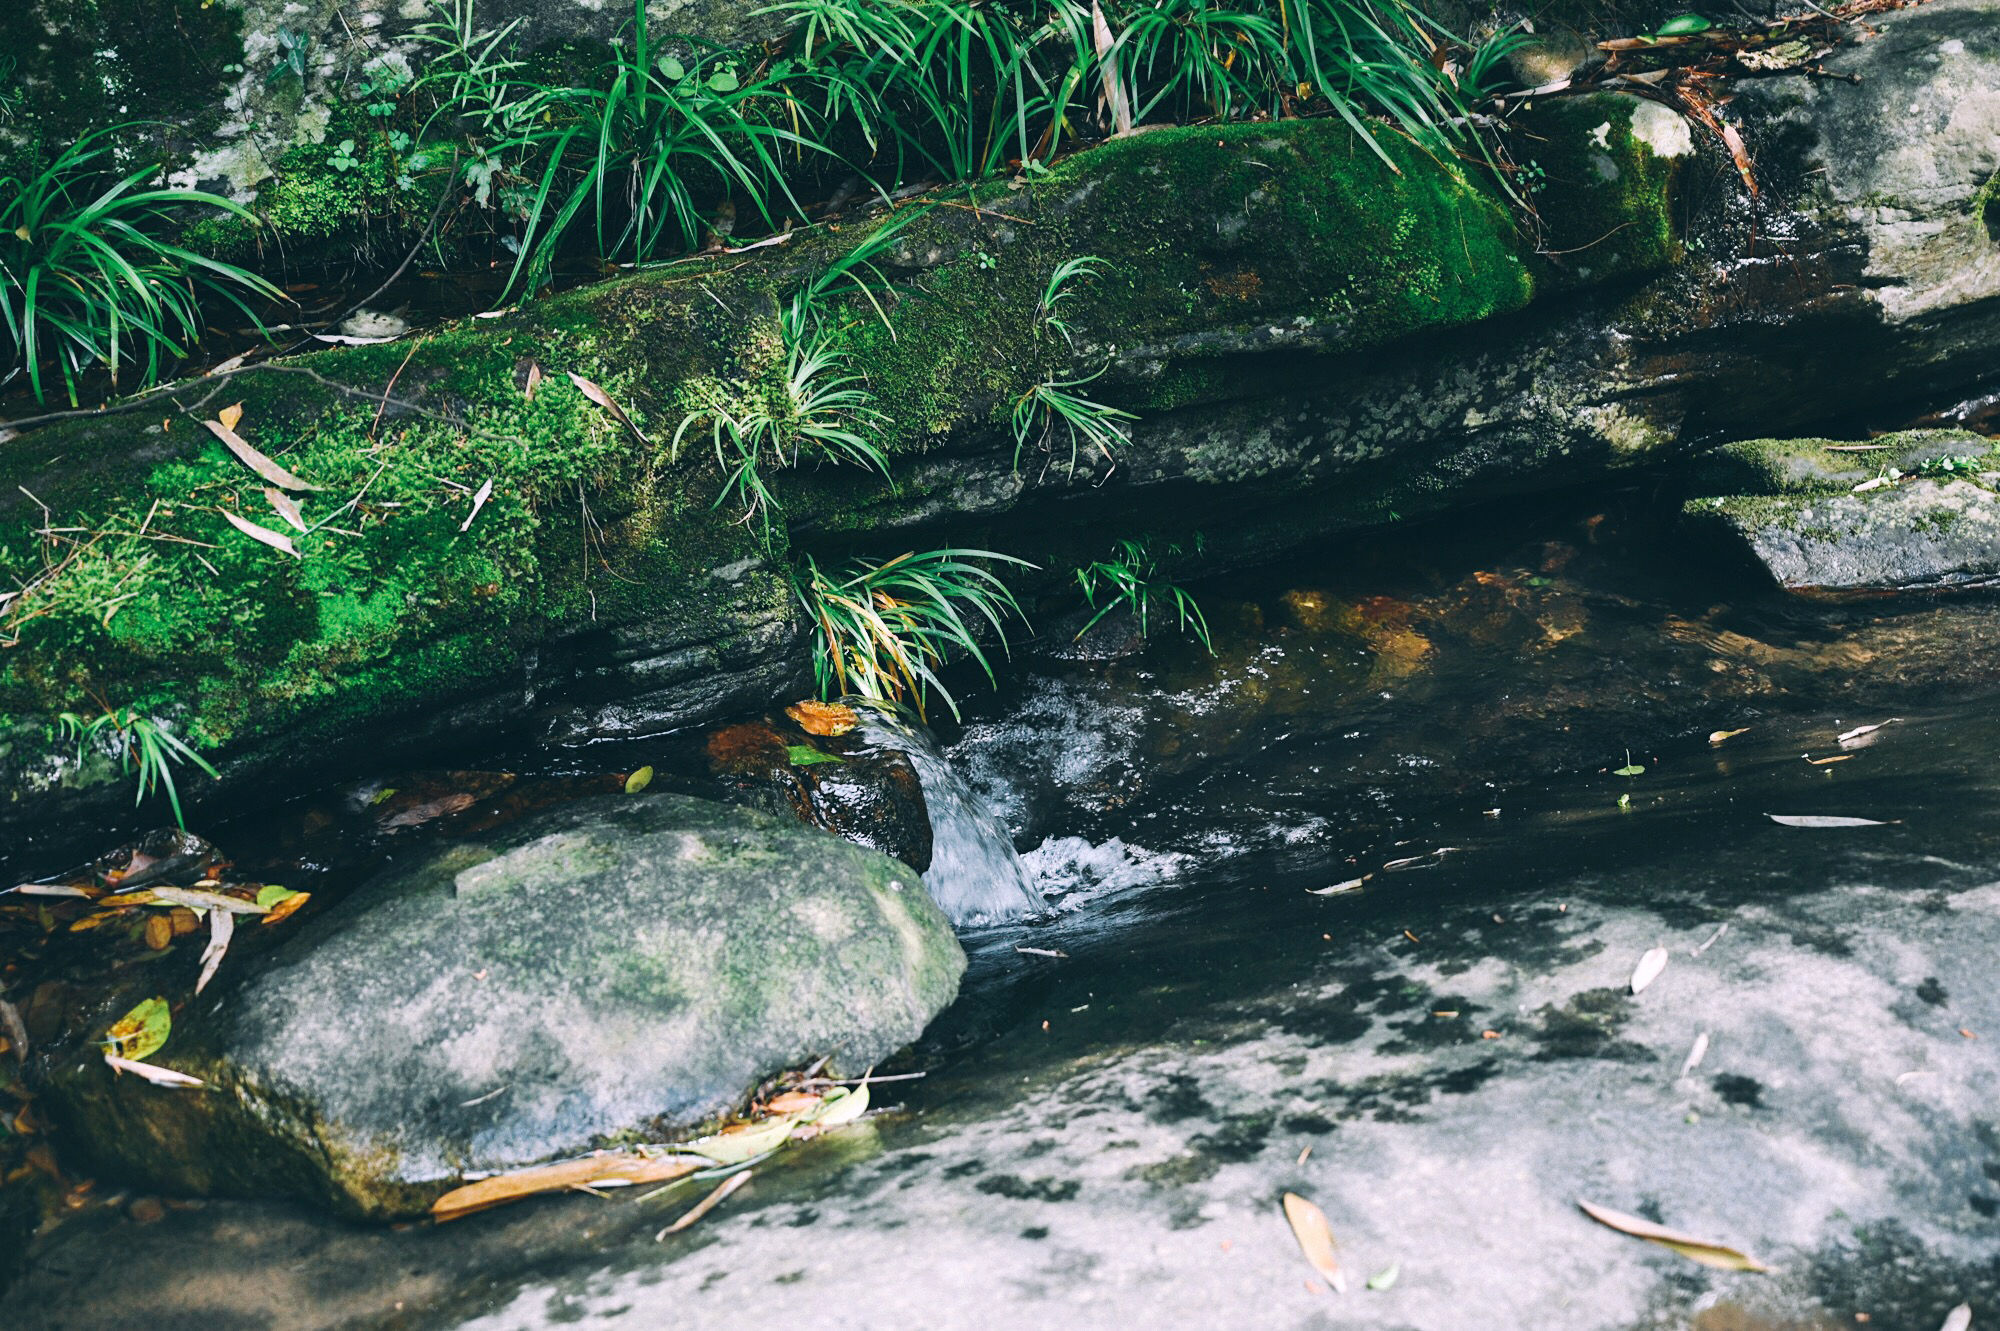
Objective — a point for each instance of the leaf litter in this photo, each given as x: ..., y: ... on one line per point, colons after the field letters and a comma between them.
x: 1315, y: 1239
x: 1703, y: 1251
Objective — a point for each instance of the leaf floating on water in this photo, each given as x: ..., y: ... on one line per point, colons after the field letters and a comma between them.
x: 141, y: 1031
x: 1837, y: 758
x: 1695, y: 1054
x: 1351, y: 885
x: 1649, y: 968
x: 801, y: 755
x: 1958, y: 1319
x: 230, y: 416
x: 1822, y: 820
x: 1042, y: 952
x: 639, y: 780
x: 1386, y: 1277
x: 1315, y: 1238
x: 221, y: 928
x: 744, y: 1141
x: 1719, y: 736
x: 706, y: 1204
x: 1434, y: 857
x: 1707, y: 1253
x: 1862, y: 736
x: 479, y: 498
x: 826, y: 719
x: 603, y: 399
x: 626, y: 1167
x: 152, y: 1072
x: 255, y: 460
x: 351, y: 340
x: 423, y: 813
x: 276, y: 540
x: 1629, y: 769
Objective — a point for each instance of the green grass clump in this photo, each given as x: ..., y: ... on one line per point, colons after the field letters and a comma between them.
x: 90, y: 274
x: 883, y: 628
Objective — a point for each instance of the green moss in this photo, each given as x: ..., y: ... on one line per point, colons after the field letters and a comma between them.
x: 1607, y: 198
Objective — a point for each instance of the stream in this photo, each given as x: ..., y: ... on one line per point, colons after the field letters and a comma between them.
x: 1348, y: 909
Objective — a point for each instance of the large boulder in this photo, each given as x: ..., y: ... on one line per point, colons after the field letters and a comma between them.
x: 1906, y: 512
x: 629, y: 967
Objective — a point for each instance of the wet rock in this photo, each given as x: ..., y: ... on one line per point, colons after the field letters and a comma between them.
x: 617, y: 968
x: 865, y: 792
x: 1905, y: 513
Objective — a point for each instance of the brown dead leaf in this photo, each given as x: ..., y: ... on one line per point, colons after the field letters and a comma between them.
x: 423, y: 813
x: 159, y: 933
x: 617, y: 1167
x: 287, y: 906
x: 793, y: 1102
x: 823, y: 718
x: 1702, y: 1251
x: 285, y: 506
x: 1315, y: 1238
x: 603, y: 399
x: 255, y: 460
x: 273, y: 539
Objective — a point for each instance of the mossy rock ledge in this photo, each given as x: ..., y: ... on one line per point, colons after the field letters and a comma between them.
x: 1826, y: 519
x: 624, y: 969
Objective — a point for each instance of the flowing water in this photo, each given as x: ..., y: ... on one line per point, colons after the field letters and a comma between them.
x: 975, y: 873
x: 1349, y: 909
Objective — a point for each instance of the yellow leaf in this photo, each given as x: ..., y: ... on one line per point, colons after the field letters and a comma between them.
x: 1687, y: 1245
x: 1718, y: 736
x: 231, y: 416
x: 141, y: 1031
x: 639, y: 780
x: 1315, y: 1238
x: 734, y: 1145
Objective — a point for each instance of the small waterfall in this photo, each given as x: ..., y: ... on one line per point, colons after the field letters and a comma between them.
x: 975, y: 876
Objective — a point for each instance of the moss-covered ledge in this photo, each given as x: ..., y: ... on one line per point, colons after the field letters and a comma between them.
x: 598, y: 566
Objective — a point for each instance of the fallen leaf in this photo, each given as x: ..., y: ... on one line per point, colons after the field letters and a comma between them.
x: 1041, y: 952
x: 1629, y: 769
x: 160, y: 932
x: 1116, y: 102
x: 733, y: 1145
x: 282, y: 907
x: 1837, y: 758
x: 842, y: 1105
x: 350, y: 340
x: 639, y: 780
x: 285, y: 506
x: 1958, y: 1319
x: 802, y: 755
x: 1821, y: 820
x: 706, y: 1204
x: 255, y: 460
x: 230, y: 416
x: 1877, y: 483
x: 793, y: 1102
x: 273, y: 539
x: 1315, y: 1238
x: 1741, y: 156
x: 16, y: 1029
x: 230, y: 366
x: 221, y: 928
x: 1411, y: 860
x: 1718, y: 736
x: 535, y: 378
x: 1712, y: 939
x: 603, y: 399
x: 625, y: 1167
x: 196, y: 899
x: 826, y: 719
x: 1698, y: 1052
x: 484, y: 493
x: 1695, y: 1250
x: 1649, y: 968
x: 141, y: 1031
x: 48, y: 890
x: 1351, y: 885
x: 1386, y: 1277
x: 152, y: 1072
x: 1862, y: 736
